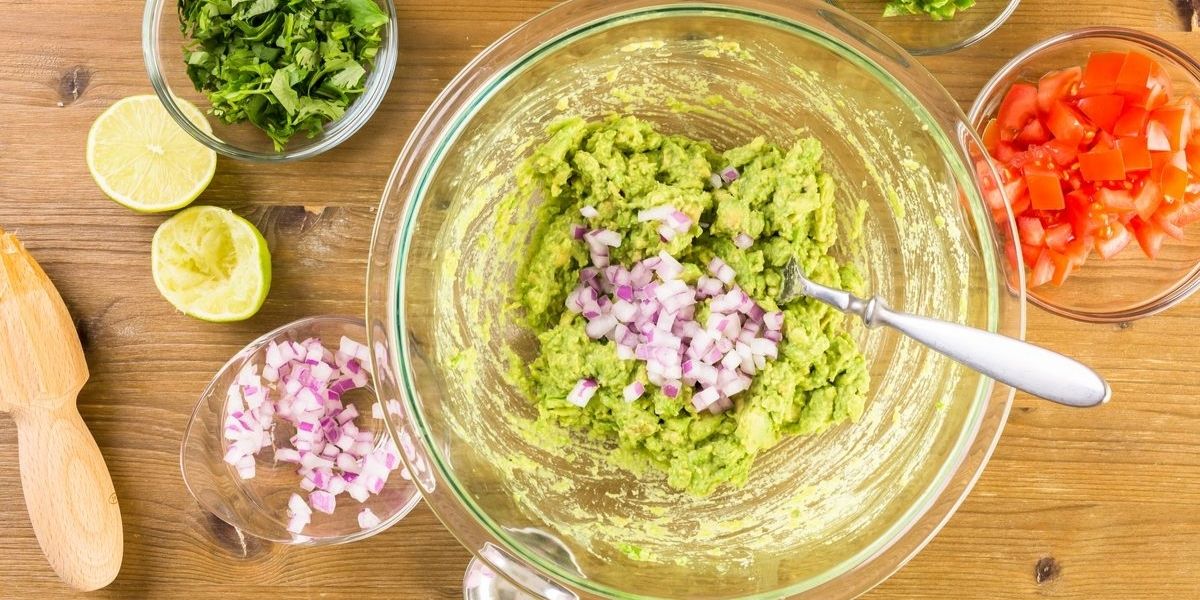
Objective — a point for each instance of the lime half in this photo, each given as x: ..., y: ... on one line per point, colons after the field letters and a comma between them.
x: 211, y: 264
x: 141, y: 158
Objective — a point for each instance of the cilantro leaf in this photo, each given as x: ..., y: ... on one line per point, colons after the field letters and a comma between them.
x: 286, y: 66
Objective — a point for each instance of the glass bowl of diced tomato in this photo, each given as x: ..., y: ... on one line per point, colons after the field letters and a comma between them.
x: 1094, y: 141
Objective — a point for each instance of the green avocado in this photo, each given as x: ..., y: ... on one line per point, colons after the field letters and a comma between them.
x: 782, y: 199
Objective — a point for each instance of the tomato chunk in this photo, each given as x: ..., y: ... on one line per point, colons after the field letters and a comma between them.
x: 1157, y: 138
x: 1102, y: 165
x: 1115, y: 239
x: 1101, y: 73
x: 1147, y: 199
x: 1068, y: 125
x: 1033, y: 133
x: 1175, y: 126
x: 1058, y: 85
x: 1149, y: 236
x: 1057, y: 236
x: 1134, y: 75
x: 1134, y: 153
x: 1031, y: 231
x: 1045, y: 189
x: 1042, y: 271
x: 1018, y: 108
x: 1062, y: 267
x: 1132, y: 122
x: 1115, y: 201
x: 991, y: 136
x: 1174, y: 182
x: 1103, y: 110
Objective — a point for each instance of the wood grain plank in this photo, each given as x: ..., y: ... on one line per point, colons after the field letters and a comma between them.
x: 1073, y: 505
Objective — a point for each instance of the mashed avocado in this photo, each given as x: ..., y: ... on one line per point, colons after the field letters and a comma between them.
x: 782, y: 199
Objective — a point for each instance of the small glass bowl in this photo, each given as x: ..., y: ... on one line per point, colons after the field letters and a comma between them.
x: 1129, y: 286
x: 922, y: 35
x: 258, y: 506
x: 162, y: 51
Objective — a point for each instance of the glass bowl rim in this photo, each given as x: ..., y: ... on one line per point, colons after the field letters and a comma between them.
x: 1000, y: 19
x: 421, y: 155
x: 379, y: 79
x: 1187, y: 284
x: 250, y: 349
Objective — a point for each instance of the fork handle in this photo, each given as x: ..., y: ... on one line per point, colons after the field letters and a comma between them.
x: 70, y: 496
x: 1027, y: 367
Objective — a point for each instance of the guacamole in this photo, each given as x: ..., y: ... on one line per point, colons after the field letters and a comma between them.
x: 781, y: 199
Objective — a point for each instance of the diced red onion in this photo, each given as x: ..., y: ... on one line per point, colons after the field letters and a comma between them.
x: 716, y: 181
x: 657, y: 213
x: 634, y: 391
x: 302, y: 383
x: 589, y: 212
x: 577, y: 231
x: 583, y: 392
x: 729, y: 174
x: 743, y: 241
x: 367, y: 519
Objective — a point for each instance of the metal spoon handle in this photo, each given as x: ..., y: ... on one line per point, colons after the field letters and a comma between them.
x: 1022, y: 365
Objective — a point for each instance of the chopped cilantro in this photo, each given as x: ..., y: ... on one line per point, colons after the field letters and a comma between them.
x: 938, y: 10
x: 287, y: 66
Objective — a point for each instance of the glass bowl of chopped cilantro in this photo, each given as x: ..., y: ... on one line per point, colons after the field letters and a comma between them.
x: 929, y: 27
x: 278, y: 80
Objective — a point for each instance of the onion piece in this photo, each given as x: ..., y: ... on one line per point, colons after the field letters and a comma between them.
x: 743, y: 241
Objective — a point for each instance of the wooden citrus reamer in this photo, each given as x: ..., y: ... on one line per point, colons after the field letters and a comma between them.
x: 69, y: 493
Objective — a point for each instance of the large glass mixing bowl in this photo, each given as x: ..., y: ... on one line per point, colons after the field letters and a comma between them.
x: 823, y: 516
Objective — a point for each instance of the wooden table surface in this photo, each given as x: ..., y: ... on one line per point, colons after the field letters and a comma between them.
x: 1097, y: 504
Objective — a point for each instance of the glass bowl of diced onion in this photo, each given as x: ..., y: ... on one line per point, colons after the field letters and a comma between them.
x: 288, y: 444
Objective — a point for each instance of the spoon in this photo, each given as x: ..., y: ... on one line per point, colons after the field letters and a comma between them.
x: 68, y: 490
x: 1022, y: 365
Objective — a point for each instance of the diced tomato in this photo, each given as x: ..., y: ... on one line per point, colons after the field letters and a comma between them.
x: 1173, y: 182
x: 1031, y: 231
x: 1102, y: 165
x: 1062, y: 153
x: 1045, y: 189
x: 1158, y: 88
x: 1004, y: 152
x: 1134, y: 73
x: 991, y: 136
x: 1106, y: 155
x: 1174, y: 124
x: 1033, y: 133
x: 1104, y: 141
x: 1134, y: 153
x: 1103, y: 110
x: 1030, y: 253
x: 1020, y: 201
x: 1057, y: 85
x: 1115, y: 201
x: 1147, y: 199
x: 1062, y: 267
x: 1149, y: 236
x: 1100, y: 74
x: 1132, y: 122
x: 1057, y: 236
x: 1114, y: 238
x: 1042, y: 271
x: 1192, y: 153
x: 1068, y: 125
x: 1018, y: 108
x: 1190, y: 211
x: 1078, y: 250
x: 1156, y: 137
